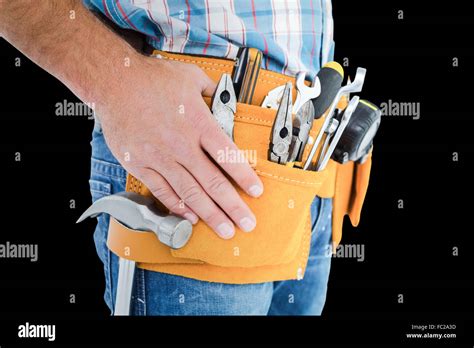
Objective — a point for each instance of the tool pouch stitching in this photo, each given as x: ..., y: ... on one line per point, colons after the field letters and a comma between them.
x: 282, y: 243
x: 288, y: 259
x: 291, y: 258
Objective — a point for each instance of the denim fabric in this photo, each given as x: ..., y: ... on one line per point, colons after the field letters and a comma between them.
x: 163, y: 294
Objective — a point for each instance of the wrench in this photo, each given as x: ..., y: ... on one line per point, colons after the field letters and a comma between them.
x: 329, y: 133
x: 342, y: 125
x: 305, y: 93
x: 353, y: 87
x: 304, y: 117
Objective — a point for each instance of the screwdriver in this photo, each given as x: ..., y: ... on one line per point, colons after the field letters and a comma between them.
x: 330, y: 77
x: 354, y: 87
x: 245, y: 73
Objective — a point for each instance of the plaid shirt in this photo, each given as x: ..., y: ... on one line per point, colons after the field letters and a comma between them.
x: 294, y: 35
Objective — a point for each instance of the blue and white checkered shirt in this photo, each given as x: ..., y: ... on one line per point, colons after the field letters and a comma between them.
x: 294, y: 35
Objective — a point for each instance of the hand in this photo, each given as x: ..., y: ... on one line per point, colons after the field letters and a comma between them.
x: 160, y: 129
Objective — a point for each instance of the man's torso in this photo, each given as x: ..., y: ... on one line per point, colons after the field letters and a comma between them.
x: 294, y: 35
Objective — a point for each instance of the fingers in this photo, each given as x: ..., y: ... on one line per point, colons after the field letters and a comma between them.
x: 227, y: 155
x: 195, y: 197
x: 188, y: 183
x: 219, y: 188
x: 160, y: 188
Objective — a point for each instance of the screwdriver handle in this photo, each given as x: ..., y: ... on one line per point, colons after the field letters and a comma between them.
x: 330, y: 76
x: 246, y: 73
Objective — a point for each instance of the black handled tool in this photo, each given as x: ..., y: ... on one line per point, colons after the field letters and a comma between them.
x: 353, y: 87
x: 330, y: 76
x: 245, y: 74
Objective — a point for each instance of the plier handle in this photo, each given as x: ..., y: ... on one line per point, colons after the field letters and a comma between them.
x: 303, y: 122
x: 282, y: 130
x: 224, y: 105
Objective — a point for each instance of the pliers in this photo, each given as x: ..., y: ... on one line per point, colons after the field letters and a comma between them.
x: 304, y: 113
x: 303, y: 122
x: 282, y: 130
x: 224, y: 105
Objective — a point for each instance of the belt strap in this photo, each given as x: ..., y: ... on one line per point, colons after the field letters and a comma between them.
x: 347, y: 184
x: 215, y: 67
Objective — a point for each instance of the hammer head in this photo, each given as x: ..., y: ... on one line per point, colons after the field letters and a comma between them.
x: 140, y: 213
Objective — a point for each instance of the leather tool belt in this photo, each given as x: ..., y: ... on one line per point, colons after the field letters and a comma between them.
x: 278, y: 248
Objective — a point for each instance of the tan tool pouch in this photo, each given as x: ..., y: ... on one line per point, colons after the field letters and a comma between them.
x: 278, y: 248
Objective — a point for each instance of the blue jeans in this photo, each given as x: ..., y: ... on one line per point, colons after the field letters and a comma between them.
x: 164, y: 294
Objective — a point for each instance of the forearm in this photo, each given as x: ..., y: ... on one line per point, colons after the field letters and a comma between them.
x: 69, y: 42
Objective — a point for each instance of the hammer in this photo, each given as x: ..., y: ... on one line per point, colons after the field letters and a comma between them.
x: 138, y: 213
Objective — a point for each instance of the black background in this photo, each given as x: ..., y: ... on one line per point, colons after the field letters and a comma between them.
x: 408, y: 251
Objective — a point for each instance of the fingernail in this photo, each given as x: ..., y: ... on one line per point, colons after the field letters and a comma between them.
x: 256, y: 190
x: 247, y: 224
x: 225, y: 230
x: 191, y: 218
